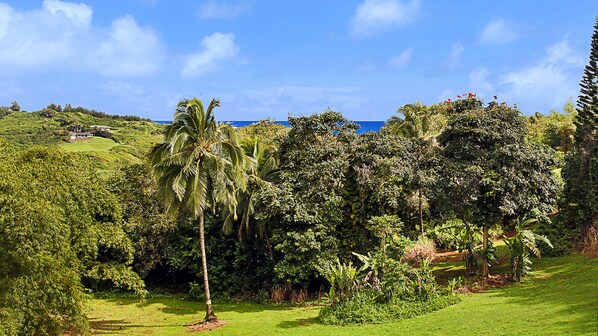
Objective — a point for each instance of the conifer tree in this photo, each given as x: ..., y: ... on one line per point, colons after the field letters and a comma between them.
x: 581, y: 170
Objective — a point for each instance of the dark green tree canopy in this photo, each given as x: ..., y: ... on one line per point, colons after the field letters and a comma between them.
x: 489, y: 169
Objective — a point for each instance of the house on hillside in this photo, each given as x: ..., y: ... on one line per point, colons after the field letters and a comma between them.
x: 80, y: 135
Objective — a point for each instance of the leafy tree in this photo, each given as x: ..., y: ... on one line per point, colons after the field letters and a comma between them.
x: 580, y: 202
x: 305, y: 208
x: 199, y: 165
x: 265, y: 131
x: 15, y: 107
x: 377, y: 183
x: 60, y: 229
x: 4, y: 111
x: 147, y: 222
x: 555, y: 129
x: 490, y: 173
x: 424, y: 123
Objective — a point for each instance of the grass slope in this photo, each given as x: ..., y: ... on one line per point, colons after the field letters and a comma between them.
x: 95, y: 144
x: 560, y: 298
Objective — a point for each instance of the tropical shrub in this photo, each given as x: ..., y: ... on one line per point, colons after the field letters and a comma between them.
x: 422, y: 249
x: 521, y: 245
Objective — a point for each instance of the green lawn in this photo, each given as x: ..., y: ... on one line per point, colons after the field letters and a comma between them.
x: 95, y: 144
x: 560, y: 298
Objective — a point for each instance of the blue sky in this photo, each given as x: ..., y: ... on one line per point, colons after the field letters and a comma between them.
x: 272, y: 58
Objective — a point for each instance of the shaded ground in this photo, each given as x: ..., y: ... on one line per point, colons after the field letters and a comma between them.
x: 559, y: 298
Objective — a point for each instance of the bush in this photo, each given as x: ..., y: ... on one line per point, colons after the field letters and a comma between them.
x: 422, y: 249
x: 364, y: 308
x: 559, y: 234
x: 10, y: 322
x: 360, y: 309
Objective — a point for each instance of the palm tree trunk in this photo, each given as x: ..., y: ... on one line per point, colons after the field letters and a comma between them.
x: 485, y: 244
x: 421, y: 213
x: 210, y: 316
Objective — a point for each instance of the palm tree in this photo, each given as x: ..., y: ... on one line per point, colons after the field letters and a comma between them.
x: 419, y: 122
x: 259, y: 172
x: 198, y: 165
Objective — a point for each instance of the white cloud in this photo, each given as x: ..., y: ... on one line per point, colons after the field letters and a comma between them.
x: 60, y: 35
x: 402, y: 60
x: 215, y: 50
x: 77, y: 13
x: 457, y: 50
x: 130, y: 50
x: 498, y: 32
x: 479, y: 83
x: 375, y: 16
x: 217, y: 10
x: 548, y: 83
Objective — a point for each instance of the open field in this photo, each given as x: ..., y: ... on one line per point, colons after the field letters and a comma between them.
x: 560, y: 298
x: 95, y: 144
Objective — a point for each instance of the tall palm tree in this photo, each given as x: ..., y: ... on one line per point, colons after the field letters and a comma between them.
x: 199, y: 165
x: 419, y: 122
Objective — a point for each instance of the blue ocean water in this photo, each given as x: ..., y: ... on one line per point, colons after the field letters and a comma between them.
x: 364, y: 126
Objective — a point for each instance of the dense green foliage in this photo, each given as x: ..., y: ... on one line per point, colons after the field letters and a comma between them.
x: 306, y: 196
x: 555, y: 129
x: 60, y: 230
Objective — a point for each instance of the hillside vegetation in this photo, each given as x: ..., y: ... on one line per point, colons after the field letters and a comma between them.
x: 130, y: 139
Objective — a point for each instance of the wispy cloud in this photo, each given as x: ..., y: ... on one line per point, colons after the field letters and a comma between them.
x: 215, y: 50
x: 402, y: 59
x: 376, y: 16
x: 498, y: 32
x: 457, y: 50
x: 550, y: 81
x: 220, y: 10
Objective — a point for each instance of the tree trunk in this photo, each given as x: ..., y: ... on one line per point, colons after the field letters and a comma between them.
x: 485, y: 245
x: 421, y: 213
x: 210, y: 316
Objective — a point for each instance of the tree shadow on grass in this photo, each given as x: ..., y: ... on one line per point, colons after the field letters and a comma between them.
x: 184, y: 306
x: 250, y: 307
x: 568, y: 283
x: 116, y: 326
x: 300, y: 322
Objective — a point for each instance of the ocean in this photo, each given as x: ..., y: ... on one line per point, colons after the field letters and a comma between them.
x: 364, y: 126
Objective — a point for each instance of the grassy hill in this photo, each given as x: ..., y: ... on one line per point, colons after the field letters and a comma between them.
x: 131, y: 140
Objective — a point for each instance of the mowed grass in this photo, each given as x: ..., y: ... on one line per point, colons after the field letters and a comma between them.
x: 560, y: 298
x: 95, y: 144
